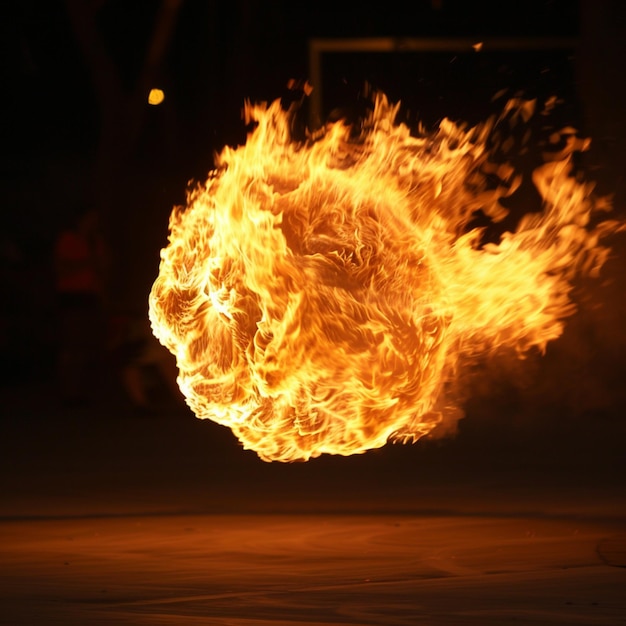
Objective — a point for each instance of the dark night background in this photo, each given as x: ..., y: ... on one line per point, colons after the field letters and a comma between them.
x: 109, y: 515
x: 77, y: 130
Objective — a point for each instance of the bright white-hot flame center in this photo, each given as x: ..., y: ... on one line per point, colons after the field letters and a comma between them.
x: 320, y: 296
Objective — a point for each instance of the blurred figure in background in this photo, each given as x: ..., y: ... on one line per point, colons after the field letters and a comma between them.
x: 81, y: 262
x: 147, y: 370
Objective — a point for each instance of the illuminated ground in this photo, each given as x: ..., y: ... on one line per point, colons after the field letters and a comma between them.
x: 312, y: 569
x: 110, y: 518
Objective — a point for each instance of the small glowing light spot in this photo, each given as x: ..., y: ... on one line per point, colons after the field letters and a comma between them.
x: 156, y: 96
x: 478, y: 46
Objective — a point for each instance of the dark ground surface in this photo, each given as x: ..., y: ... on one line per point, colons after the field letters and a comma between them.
x: 111, y: 517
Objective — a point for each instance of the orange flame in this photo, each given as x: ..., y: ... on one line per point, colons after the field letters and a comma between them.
x: 320, y: 296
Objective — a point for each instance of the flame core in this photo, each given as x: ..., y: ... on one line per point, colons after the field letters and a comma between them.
x: 320, y: 296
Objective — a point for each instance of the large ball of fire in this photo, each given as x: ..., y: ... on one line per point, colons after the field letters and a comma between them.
x: 320, y: 295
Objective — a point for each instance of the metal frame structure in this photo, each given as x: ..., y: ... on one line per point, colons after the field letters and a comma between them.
x: 319, y: 47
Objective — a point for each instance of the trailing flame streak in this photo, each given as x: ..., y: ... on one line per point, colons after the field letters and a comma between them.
x: 319, y: 297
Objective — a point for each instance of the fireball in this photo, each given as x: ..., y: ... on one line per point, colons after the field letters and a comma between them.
x: 321, y: 295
